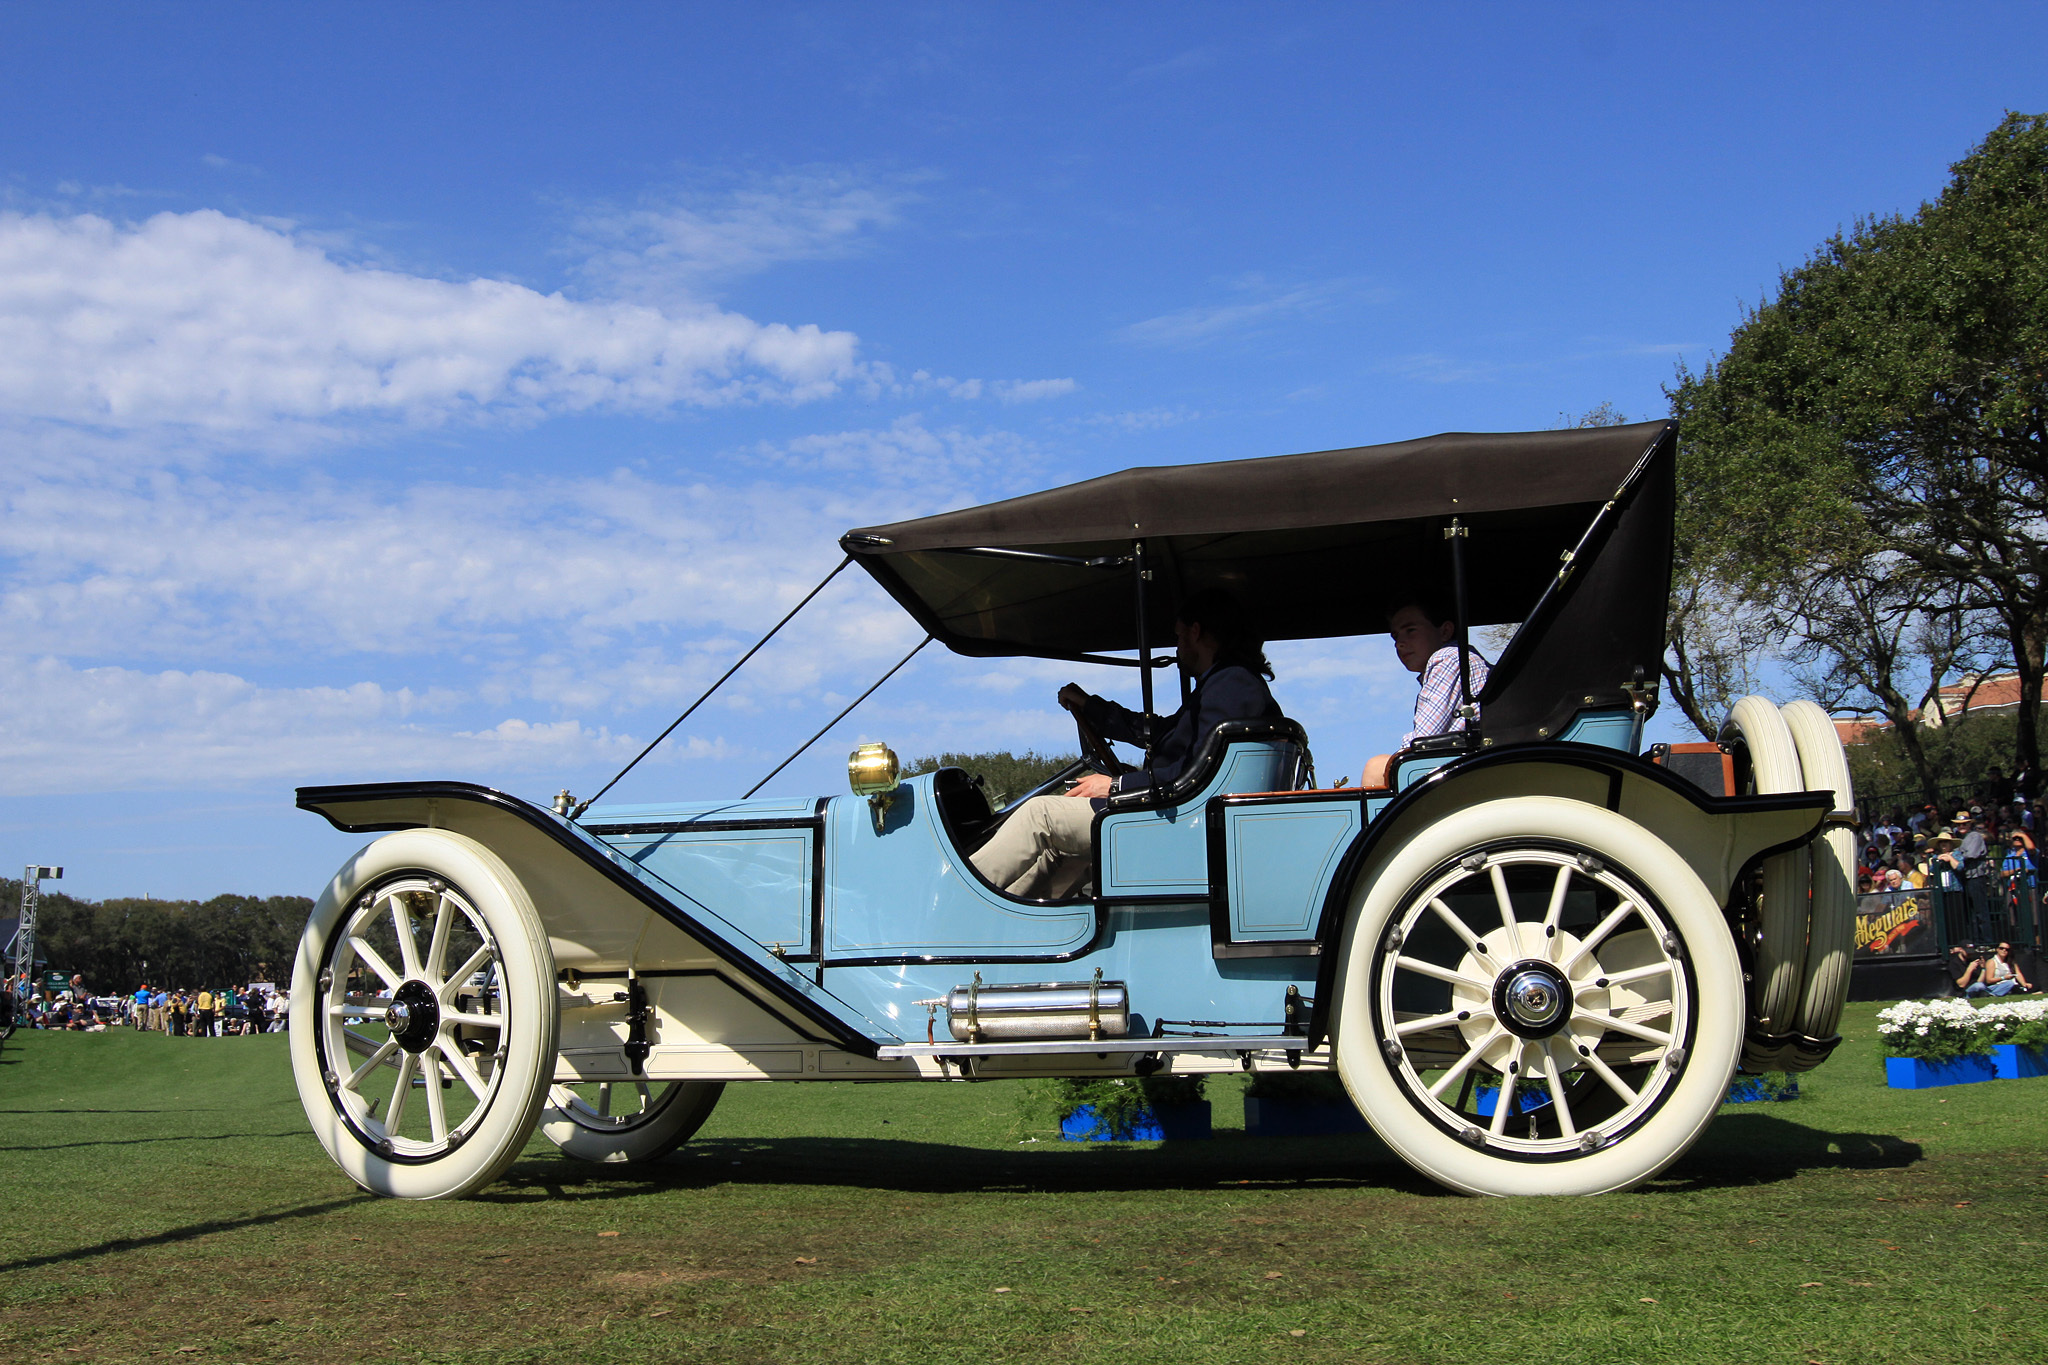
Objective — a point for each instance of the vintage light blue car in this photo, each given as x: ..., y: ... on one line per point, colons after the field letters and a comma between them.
x: 1528, y: 908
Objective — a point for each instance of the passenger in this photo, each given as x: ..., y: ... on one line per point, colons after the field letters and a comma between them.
x: 1425, y: 639
x: 1042, y: 849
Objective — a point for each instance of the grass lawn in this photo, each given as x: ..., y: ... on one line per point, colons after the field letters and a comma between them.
x: 162, y: 1197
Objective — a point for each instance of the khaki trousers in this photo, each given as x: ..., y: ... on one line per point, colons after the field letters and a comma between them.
x: 1041, y: 852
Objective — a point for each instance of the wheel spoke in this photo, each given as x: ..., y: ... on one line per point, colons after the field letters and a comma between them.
x: 1559, y: 1056
x: 1638, y: 974
x: 1608, y: 1074
x: 1457, y: 926
x: 375, y: 962
x: 377, y: 1059
x: 459, y: 1064
x: 475, y: 1020
x: 1555, y: 912
x: 604, y: 1099
x: 437, y: 1104
x: 1464, y: 1063
x: 407, y: 1066
x: 1436, y: 1021
x: 1430, y: 969
x: 437, y: 951
x: 349, y: 1009
x: 1600, y: 933
x: 1504, y: 1098
x: 401, y: 924
x: 463, y: 973
x: 1621, y: 1025
x: 1507, y: 909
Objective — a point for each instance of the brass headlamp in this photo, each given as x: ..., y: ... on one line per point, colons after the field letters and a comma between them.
x: 872, y: 771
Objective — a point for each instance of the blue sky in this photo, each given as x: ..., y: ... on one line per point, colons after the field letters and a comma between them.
x: 452, y: 390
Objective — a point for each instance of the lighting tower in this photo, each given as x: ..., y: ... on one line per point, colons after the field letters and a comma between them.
x: 32, y: 878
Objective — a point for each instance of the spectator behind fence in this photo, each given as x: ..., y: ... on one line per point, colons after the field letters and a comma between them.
x: 1998, y: 975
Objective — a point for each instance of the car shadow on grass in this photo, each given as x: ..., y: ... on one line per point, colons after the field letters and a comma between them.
x: 1228, y: 1161
x: 1746, y: 1149
x: 1763, y: 1149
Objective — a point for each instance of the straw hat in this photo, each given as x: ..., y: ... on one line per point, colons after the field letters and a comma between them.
x: 1944, y: 836
x: 1962, y: 817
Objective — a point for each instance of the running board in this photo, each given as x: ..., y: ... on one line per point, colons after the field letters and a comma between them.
x: 1102, y: 1046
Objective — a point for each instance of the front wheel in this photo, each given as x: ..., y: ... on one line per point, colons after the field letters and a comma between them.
x: 423, y: 1016
x: 1537, y: 997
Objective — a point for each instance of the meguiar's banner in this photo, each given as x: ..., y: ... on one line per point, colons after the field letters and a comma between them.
x: 1895, y: 924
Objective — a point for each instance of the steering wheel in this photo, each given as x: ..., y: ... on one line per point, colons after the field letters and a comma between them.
x: 1095, y: 750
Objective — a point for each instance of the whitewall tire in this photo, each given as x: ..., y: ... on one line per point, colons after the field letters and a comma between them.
x: 628, y: 1121
x: 1780, y: 943
x: 1556, y: 947
x: 423, y: 1016
x: 1831, y: 938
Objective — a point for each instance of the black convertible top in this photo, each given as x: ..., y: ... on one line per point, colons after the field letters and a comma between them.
x: 1567, y: 531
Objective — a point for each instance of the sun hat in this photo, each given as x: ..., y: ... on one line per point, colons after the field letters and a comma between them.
x: 1962, y: 817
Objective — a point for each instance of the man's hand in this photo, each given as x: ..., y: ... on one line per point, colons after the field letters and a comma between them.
x: 1091, y: 788
x: 1073, y: 696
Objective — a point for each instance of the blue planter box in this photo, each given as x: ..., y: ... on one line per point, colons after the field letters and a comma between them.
x: 1914, y: 1073
x: 1527, y: 1102
x: 2013, y: 1062
x: 1265, y: 1117
x: 1179, y: 1123
x: 1753, y: 1090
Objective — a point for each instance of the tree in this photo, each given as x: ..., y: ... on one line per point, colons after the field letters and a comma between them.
x: 1006, y: 776
x: 1873, y: 447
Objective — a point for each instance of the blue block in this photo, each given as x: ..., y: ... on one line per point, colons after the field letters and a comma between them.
x: 1299, y: 1118
x: 2013, y: 1062
x: 1915, y: 1073
x: 1752, y: 1090
x: 1179, y: 1123
x: 1527, y: 1102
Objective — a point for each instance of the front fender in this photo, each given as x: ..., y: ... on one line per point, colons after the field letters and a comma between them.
x: 1717, y: 836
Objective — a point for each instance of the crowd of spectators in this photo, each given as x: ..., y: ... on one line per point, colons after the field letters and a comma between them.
x: 230, y: 1011
x: 1978, y: 866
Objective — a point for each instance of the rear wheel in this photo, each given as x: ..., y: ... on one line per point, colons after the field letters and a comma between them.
x: 1538, y: 997
x: 629, y: 1121
x: 423, y: 1019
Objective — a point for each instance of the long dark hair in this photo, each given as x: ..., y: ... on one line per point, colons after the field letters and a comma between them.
x: 1222, y: 616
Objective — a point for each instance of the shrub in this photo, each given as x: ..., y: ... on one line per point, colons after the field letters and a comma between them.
x: 1120, y: 1104
x: 1943, y: 1030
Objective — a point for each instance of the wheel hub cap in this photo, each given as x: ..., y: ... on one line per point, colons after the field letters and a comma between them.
x: 1532, y: 999
x: 414, y: 1016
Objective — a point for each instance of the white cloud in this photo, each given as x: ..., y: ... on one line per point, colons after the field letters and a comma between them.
x: 216, y: 323
x: 67, y: 729
x: 1262, y: 303
x: 679, y: 242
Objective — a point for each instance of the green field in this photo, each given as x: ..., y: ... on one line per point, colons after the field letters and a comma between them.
x: 162, y: 1197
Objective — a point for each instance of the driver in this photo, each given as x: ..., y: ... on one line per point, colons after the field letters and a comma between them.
x: 1042, y: 850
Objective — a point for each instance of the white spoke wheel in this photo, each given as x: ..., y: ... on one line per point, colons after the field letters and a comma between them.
x: 1537, y: 997
x: 423, y: 1016
x: 626, y: 1121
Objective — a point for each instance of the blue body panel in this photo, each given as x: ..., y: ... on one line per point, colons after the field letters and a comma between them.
x: 1281, y: 861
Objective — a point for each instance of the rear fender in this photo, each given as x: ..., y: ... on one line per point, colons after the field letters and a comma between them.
x: 1718, y: 837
